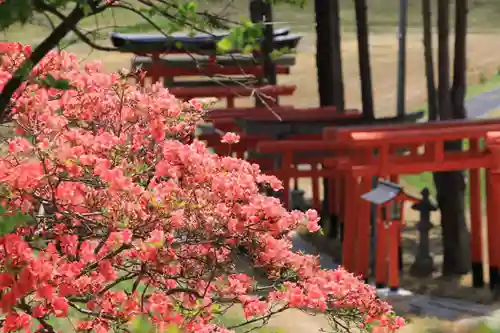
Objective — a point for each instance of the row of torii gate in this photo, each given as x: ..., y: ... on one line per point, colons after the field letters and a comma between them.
x: 349, y: 158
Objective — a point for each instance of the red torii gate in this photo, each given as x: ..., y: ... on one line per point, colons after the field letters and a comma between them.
x: 353, y: 165
x: 433, y: 158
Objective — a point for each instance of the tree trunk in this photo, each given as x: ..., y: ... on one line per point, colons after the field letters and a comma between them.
x: 261, y: 12
x: 38, y: 53
x: 364, y: 59
x: 267, y: 45
x: 401, y: 83
x: 450, y: 185
x: 328, y: 54
x: 329, y: 73
x: 444, y: 103
x: 338, y: 77
x: 459, y: 87
x: 428, y: 59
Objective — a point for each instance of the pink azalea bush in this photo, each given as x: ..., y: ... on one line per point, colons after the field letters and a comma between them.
x: 142, y: 221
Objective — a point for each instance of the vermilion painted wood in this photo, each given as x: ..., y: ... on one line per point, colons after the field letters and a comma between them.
x: 281, y: 113
x: 239, y: 91
x: 357, y: 143
x: 493, y: 225
x: 267, y: 93
x: 339, y: 133
x: 394, y: 236
x: 253, y: 142
x: 350, y: 231
x: 299, y: 146
x: 289, y: 149
x: 362, y: 247
x: 436, y: 159
x: 379, y: 139
x: 248, y: 143
x: 157, y: 70
x: 284, y: 115
x: 388, y: 242
x: 355, y: 257
x: 222, y: 113
x: 381, y: 254
x: 225, y: 119
x: 405, y: 166
x: 475, y: 210
x: 493, y: 209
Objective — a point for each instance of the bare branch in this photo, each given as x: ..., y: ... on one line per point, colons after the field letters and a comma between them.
x: 26, y: 308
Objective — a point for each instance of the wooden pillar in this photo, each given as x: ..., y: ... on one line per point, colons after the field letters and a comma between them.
x: 381, y: 267
x: 350, y: 222
x: 493, y: 209
x: 363, y: 229
x: 492, y: 194
x: 476, y: 222
x: 394, y: 236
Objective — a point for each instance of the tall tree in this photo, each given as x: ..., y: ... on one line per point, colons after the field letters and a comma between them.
x: 261, y: 12
x: 364, y: 58
x: 443, y: 21
x: 329, y: 71
x: 451, y: 185
x: 459, y: 87
x: 338, y: 77
x: 329, y: 54
x: 428, y: 59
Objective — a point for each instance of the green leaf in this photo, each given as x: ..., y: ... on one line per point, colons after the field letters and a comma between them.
x: 216, y: 308
x: 15, y: 11
x: 483, y: 328
x: 178, y: 45
x: 50, y: 82
x: 248, y: 49
x: 9, y: 222
x: 157, y: 244
x: 49, y: 78
x: 87, y: 10
x: 173, y: 329
x: 141, y: 324
x: 225, y: 45
x: 62, y: 85
x: 275, y: 55
x: 24, y: 71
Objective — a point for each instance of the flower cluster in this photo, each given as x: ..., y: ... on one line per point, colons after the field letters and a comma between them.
x: 140, y: 220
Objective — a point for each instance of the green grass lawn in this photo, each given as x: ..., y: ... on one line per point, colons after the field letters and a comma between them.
x: 488, y: 85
